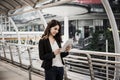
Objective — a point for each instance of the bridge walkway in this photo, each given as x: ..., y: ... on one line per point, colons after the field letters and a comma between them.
x: 9, y: 71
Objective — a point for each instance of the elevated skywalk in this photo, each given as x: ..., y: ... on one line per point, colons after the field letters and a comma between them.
x: 103, y: 65
x: 11, y: 72
x: 79, y: 64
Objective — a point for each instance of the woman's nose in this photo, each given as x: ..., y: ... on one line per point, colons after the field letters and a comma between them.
x: 56, y: 31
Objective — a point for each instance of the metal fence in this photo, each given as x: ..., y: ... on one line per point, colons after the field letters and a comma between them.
x: 95, y: 65
x: 100, y: 65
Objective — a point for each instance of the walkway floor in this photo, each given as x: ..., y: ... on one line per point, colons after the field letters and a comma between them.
x: 11, y: 72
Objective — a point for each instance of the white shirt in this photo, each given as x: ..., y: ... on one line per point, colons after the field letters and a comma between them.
x: 57, y: 60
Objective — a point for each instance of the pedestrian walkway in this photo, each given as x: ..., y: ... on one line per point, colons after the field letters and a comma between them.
x: 12, y: 72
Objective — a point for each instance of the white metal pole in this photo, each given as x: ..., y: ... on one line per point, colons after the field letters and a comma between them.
x: 113, y: 25
x: 1, y: 28
x: 107, y: 77
x: 16, y: 29
x: 114, y: 30
x: 106, y: 45
x: 66, y: 29
x: 42, y: 19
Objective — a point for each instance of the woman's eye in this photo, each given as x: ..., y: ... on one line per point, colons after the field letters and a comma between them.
x: 56, y: 29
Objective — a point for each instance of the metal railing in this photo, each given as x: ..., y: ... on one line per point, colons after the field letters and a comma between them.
x: 16, y: 54
x: 96, y: 65
x: 100, y: 65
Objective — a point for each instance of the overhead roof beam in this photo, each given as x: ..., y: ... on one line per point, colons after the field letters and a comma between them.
x: 31, y: 3
x: 6, y: 5
x: 42, y: 7
x: 14, y: 2
x: 8, y: 2
x: 3, y: 11
x: 3, y: 8
x: 28, y: 4
x: 18, y: 2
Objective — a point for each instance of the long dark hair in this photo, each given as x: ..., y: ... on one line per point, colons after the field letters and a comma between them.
x: 51, y: 24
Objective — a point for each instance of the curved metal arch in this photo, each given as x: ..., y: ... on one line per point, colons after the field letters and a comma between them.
x: 113, y: 25
x: 114, y: 32
x: 16, y: 29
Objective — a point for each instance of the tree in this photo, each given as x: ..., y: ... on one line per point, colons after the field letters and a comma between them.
x: 98, y: 44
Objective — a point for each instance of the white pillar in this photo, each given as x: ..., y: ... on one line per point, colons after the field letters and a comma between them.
x: 66, y: 29
x: 1, y: 28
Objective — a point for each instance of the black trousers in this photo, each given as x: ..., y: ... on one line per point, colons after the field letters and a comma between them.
x: 55, y: 73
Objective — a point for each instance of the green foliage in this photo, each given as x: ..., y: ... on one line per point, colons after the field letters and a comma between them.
x: 98, y: 44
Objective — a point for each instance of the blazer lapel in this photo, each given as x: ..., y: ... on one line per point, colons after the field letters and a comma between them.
x: 49, y: 45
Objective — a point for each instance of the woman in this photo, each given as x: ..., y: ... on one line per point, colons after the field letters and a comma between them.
x: 49, y: 51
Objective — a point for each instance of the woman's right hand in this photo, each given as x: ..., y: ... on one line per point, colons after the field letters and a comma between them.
x: 57, y: 51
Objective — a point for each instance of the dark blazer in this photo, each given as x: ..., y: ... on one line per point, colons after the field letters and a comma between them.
x: 46, y: 54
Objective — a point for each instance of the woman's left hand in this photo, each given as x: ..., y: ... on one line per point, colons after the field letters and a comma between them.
x: 68, y: 48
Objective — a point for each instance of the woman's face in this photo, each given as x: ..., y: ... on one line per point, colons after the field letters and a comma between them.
x: 54, y: 30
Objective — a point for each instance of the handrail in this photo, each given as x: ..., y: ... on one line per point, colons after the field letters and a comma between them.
x: 75, y: 59
x: 4, y: 51
x: 28, y: 49
x: 93, y: 59
x: 90, y: 67
x: 11, y: 55
x: 95, y: 53
x: 19, y: 55
x: 4, y: 45
x: 30, y: 66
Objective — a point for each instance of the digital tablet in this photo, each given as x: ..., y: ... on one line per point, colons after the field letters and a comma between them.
x: 67, y: 43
